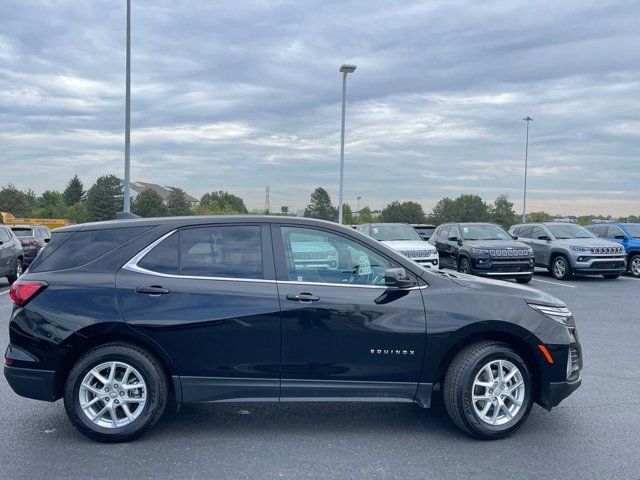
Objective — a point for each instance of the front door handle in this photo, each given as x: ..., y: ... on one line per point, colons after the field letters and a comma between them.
x: 153, y: 290
x: 303, y: 297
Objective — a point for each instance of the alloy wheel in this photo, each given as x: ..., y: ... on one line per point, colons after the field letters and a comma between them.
x: 112, y: 394
x: 559, y: 267
x: 498, y: 392
x: 19, y: 270
x: 635, y: 266
x: 464, y: 265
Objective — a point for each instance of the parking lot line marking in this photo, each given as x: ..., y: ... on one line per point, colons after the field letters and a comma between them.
x: 4, y: 291
x: 554, y: 283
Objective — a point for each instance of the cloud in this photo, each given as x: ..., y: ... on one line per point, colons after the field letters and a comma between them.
x: 241, y: 95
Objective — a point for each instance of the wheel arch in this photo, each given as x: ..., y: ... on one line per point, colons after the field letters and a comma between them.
x: 103, y: 334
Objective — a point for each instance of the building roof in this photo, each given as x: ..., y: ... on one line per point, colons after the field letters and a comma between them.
x: 159, y: 189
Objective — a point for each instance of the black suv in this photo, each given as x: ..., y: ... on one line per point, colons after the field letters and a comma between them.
x: 118, y: 318
x: 10, y: 255
x: 33, y: 238
x: 483, y: 249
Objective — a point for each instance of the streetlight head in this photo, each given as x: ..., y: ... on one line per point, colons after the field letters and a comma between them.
x: 528, y: 119
x: 347, y: 68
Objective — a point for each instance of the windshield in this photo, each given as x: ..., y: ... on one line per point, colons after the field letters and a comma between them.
x: 569, y: 230
x: 634, y: 230
x: 23, y: 232
x: 394, y: 232
x: 484, y: 232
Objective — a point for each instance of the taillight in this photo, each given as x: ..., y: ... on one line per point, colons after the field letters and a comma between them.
x: 24, y: 290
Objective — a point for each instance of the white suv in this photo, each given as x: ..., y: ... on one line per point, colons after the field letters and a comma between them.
x: 404, y: 239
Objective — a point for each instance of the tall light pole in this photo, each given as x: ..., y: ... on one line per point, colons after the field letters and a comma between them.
x: 344, y: 69
x: 526, y: 161
x: 127, y: 118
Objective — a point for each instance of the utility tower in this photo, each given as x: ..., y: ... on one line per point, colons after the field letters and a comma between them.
x: 267, y: 200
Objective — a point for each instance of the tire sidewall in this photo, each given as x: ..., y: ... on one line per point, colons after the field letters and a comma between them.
x: 72, y: 388
x: 462, y: 261
x: 471, y: 419
x: 567, y: 269
x: 634, y: 257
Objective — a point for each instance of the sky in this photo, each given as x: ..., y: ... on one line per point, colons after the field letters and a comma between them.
x: 238, y: 95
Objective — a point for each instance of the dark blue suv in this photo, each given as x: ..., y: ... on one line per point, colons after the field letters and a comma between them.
x: 627, y: 235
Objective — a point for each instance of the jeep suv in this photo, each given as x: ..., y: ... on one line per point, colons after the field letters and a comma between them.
x: 118, y: 318
x: 483, y: 249
x: 405, y: 239
x: 625, y: 234
x: 566, y: 248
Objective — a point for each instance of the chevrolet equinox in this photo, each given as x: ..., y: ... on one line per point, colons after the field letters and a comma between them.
x: 119, y: 318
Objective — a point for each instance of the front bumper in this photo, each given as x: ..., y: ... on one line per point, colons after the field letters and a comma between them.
x: 600, y: 265
x: 431, y: 262
x: 31, y: 383
x: 501, y: 267
x: 553, y: 393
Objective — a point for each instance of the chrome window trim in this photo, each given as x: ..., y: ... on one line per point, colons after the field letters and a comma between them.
x: 132, y: 266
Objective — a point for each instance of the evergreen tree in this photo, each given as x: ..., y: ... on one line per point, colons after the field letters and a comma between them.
x: 149, y: 204
x: 502, y: 213
x: 365, y: 215
x: 177, y: 203
x: 51, y: 205
x: 320, y: 206
x: 347, y: 215
x: 405, y: 212
x: 105, y: 198
x: 74, y: 191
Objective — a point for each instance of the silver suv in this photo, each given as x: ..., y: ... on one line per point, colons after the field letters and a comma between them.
x: 566, y: 248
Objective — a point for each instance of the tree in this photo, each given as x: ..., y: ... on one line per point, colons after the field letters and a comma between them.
x: 405, y: 212
x: 443, y: 211
x: 51, y: 205
x: 74, y: 191
x: 365, y: 215
x: 347, y: 215
x: 539, y: 217
x: 470, y: 208
x: 320, y: 206
x: 77, y: 213
x: 223, y: 202
x: 149, y: 204
x: 177, y: 203
x: 502, y: 213
x: 105, y: 198
x: 14, y: 201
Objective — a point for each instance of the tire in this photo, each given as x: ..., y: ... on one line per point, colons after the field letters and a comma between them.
x: 17, y: 272
x: 459, y: 387
x: 464, y: 266
x: 524, y: 279
x: 155, y: 390
x: 634, y: 265
x: 611, y: 277
x: 561, y: 268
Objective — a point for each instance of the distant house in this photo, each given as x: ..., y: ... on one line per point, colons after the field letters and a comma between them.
x: 139, y: 187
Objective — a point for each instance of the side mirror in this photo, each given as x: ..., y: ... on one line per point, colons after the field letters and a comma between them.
x: 397, y: 278
x: 515, y: 237
x: 620, y: 237
x: 543, y: 237
x: 453, y: 239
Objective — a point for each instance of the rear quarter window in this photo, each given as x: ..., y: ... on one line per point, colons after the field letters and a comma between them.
x: 73, y: 249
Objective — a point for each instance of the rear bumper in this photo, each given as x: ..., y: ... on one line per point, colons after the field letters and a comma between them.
x: 31, y: 383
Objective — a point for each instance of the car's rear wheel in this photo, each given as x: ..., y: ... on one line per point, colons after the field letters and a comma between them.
x: 634, y: 265
x: 526, y: 279
x: 561, y: 268
x: 115, y: 392
x: 17, y: 272
x: 488, y: 390
x: 464, y: 266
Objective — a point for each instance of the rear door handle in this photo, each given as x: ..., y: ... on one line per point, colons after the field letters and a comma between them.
x: 154, y: 290
x: 303, y: 298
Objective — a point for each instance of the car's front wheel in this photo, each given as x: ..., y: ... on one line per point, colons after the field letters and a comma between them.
x: 115, y: 392
x: 464, y: 266
x: 488, y: 390
x: 561, y: 269
x: 634, y: 265
x: 526, y: 279
x: 17, y: 272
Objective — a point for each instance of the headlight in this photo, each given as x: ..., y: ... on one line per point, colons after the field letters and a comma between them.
x: 481, y: 251
x: 576, y: 248
x: 559, y: 314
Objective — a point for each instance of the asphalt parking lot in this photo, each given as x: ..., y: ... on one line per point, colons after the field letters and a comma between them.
x: 592, y: 434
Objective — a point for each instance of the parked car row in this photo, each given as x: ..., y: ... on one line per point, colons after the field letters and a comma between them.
x: 19, y: 246
x: 487, y: 249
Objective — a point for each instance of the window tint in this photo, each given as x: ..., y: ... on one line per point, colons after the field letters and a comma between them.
x: 84, y: 246
x: 22, y: 232
x: 233, y: 251
x: 614, y: 230
x: 525, y: 232
x: 444, y: 232
x: 317, y: 256
x: 598, y: 231
x: 164, y: 256
x: 537, y: 232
